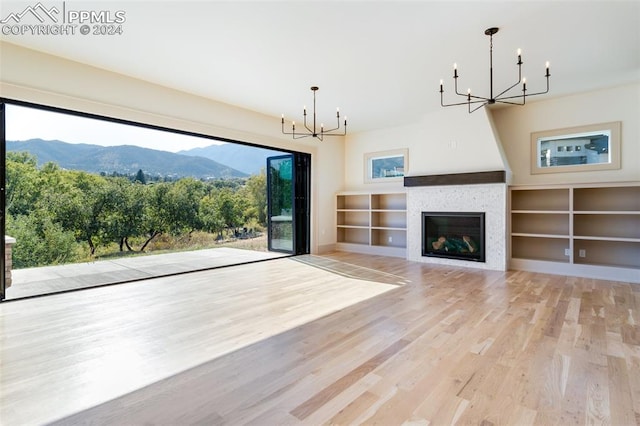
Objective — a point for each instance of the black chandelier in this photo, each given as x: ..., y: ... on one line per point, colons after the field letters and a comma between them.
x: 311, y: 131
x: 502, y: 96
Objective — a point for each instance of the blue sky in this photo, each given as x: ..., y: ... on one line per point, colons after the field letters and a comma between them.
x: 24, y: 123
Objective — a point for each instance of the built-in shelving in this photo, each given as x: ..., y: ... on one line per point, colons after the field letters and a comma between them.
x: 369, y: 222
x: 584, y: 230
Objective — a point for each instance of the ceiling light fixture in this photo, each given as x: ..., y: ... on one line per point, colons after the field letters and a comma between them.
x: 311, y: 131
x: 501, y: 98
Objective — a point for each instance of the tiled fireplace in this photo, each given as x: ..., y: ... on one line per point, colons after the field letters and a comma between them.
x: 461, y: 195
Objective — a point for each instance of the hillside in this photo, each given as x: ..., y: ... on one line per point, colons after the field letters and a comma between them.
x: 247, y: 159
x: 124, y: 159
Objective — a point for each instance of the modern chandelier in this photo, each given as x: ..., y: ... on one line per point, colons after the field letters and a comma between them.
x: 502, y: 97
x: 312, y: 131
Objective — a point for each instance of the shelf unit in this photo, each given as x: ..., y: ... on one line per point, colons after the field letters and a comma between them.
x: 372, y: 222
x: 582, y: 230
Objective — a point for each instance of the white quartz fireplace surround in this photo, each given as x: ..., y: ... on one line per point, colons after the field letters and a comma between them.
x: 447, y: 195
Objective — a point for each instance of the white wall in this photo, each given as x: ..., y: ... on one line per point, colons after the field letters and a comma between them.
x: 449, y: 140
x: 31, y: 76
x: 515, y: 125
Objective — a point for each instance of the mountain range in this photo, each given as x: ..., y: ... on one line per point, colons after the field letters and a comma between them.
x: 247, y: 159
x: 124, y: 159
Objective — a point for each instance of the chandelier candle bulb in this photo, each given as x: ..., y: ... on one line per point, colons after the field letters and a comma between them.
x: 441, y: 82
x: 455, y: 70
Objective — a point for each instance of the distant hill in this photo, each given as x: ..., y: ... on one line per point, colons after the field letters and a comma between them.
x: 247, y: 159
x: 125, y: 159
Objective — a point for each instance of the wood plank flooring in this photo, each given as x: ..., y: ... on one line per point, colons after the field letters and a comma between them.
x: 304, y: 342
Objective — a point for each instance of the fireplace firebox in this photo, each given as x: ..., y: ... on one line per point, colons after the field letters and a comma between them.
x: 453, y: 235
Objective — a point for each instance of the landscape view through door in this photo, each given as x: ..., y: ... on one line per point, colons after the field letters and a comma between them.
x: 89, y: 200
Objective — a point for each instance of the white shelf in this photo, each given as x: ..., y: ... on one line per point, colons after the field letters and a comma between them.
x: 372, y: 222
x: 626, y: 240
x: 579, y: 228
x: 389, y: 227
x: 607, y: 212
x: 541, y: 211
x: 520, y: 234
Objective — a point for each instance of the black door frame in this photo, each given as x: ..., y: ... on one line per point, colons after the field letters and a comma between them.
x: 300, y: 202
x: 3, y: 180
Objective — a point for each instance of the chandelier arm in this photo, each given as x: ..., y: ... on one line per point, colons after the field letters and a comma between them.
x: 528, y: 94
x: 455, y: 80
x: 505, y: 91
x: 461, y: 103
x: 466, y: 95
x: 324, y: 132
x: 476, y: 108
x: 512, y: 103
x: 300, y: 135
x: 331, y: 134
x: 287, y: 133
x: 477, y: 97
x: 516, y: 83
x: 304, y: 122
x: 532, y: 94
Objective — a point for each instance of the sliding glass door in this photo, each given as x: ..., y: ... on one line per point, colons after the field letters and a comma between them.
x: 80, y: 189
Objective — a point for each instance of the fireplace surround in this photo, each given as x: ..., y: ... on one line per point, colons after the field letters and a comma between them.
x: 469, y: 192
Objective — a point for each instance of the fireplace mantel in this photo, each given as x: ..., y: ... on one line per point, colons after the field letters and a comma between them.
x: 498, y: 176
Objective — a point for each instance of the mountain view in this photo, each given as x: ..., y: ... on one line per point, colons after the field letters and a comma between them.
x: 245, y: 158
x: 128, y: 159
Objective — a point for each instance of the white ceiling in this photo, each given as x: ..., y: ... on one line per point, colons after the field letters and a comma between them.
x: 380, y: 61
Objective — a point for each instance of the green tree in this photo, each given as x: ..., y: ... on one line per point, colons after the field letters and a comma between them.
x: 140, y: 178
x: 156, y: 220
x: 256, y: 190
x: 23, y: 184
x: 182, y: 204
x: 40, y: 241
x: 209, y: 214
x: 124, y: 212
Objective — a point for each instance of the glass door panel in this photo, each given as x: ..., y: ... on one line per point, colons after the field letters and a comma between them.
x: 280, y: 204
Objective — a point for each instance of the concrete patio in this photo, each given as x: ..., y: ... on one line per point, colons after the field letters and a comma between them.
x: 52, y: 279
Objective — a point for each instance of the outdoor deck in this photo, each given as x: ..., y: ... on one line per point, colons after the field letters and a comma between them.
x: 53, y: 279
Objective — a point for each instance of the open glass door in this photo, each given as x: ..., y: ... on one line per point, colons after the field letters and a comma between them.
x: 288, y: 197
x: 3, y: 149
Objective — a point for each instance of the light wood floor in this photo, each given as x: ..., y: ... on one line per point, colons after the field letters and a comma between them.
x: 301, y: 341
